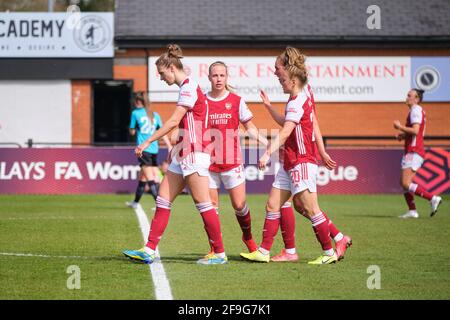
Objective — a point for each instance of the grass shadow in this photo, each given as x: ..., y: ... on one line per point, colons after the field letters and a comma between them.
x: 381, y: 216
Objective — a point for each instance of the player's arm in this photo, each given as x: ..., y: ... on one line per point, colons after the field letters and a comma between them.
x: 254, y: 133
x: 412, y: 131
x: 164, y: 138
x: 132, y: 127
x: 328, y: 162
x: 276, y: 143
x: 273, y: 113
x: 170, y: 124
x: 400, y: 136
x: 167, y: 142
x: 174, y: 135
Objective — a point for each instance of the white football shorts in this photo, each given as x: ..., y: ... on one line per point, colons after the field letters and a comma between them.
x: 231, y: 178
x: 412, y: 160
x: 196, y: 162
x: 303, y: 176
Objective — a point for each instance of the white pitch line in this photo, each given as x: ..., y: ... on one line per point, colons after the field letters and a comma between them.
x: 41, y: 255
x: 57, y: 218
x: 160, y: 281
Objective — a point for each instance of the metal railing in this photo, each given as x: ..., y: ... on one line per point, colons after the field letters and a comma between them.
x: 245, y: 141
x: 10, y: 143
x: 30, y: 143
x: 326, y: 139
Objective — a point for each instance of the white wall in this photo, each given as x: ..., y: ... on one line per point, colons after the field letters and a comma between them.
x: 36, y: 109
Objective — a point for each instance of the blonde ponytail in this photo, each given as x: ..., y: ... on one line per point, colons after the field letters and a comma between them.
x: 294, y: 63
x: 172, y: 56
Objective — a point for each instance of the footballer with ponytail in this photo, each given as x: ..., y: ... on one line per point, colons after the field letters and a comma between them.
x: 144, y: 122
x: 297, y: 177
x: 413, y: 133
x: 293, y: 61
x: 172, y: 56
x: 189, y: 160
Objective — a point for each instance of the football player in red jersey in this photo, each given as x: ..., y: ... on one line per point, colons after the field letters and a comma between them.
x: 287, y: 219
x: 413, y: 133
x: 298, y: 175
x: 189, y: 164
x: 227, y: 111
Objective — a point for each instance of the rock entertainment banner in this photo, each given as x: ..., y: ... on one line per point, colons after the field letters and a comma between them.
x: 115, y: 170
x: 333, y: 79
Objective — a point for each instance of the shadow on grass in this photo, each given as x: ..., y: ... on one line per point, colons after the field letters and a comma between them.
x: 382, y: 216
x: 192, y: 258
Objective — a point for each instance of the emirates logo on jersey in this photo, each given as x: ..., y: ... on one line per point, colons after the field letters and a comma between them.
x: 228, y: 105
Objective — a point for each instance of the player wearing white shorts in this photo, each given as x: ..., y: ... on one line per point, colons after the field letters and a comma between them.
x: 190, y: 161
x: 297, y: 177
x: 413, y: 133
x: 287, y: 217
x: 226, y: 111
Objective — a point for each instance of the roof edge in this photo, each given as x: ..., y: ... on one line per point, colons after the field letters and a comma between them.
x: 280, y: 41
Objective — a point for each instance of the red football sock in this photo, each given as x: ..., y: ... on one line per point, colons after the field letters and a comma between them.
x: 322, y: 231
x: 159, y: 222
x: 245, y: 222
x: 334, y: 231
x: 287, y: 225
x: 270, y: 230
x: 420, y: 191
x: 409, y: 197
x: 212, y: 225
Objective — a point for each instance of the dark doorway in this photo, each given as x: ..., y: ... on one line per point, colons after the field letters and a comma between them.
x: 112, y: 110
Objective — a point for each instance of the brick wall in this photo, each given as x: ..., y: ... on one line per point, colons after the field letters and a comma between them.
x: 137, y: 73
x: 335, y: 118
x: 82, y: 121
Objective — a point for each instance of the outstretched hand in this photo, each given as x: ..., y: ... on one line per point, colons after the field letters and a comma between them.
x: 140, y: 149
x: 329, y: 163
x: 265, y: 99
x: 262, y: 163
x: 397, y: 124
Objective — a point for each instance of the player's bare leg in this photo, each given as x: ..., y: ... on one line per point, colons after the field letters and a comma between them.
x: 150, y: 172
x: 140, y: 189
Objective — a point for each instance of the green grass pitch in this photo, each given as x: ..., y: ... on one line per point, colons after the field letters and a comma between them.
x: 91, y: 231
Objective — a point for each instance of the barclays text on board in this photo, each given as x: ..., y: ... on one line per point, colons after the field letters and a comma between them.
x: 46, y: 35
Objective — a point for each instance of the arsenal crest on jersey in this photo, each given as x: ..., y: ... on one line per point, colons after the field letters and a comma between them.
x: 228, y: 105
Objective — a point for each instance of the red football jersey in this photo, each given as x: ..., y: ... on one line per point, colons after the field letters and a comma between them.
x: 195, y: 122
x: 299, y: 146
x: 414, y: 143
x: 310, y: 95
x: 225, y: 114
